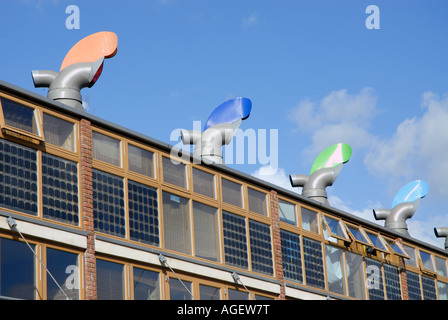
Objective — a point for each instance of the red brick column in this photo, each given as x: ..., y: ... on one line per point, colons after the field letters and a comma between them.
x: 278, y: 261
x: 87, y: 210
x: 403, y: 276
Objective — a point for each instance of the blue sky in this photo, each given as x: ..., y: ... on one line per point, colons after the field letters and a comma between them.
x: 312, y: 69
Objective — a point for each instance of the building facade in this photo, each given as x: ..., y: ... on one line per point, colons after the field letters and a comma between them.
x: 90, y: 210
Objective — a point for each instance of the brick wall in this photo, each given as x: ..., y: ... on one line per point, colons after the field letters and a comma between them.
x: 278, y: 261
x: 87, y: 209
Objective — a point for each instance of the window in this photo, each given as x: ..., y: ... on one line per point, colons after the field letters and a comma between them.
x: 377, y: 242
x: 59, y: 132
x: 174, y: 173
x: 309, y: 220
x: 392, y: 280
x: 355, y: 275
x: 141, y: 161
x: 429, y: 288
x: 314, y: 269
x: 358, y: 234
x: 108, y: 203
x: 60, y: 189
x: 291, y: 256
x: 106, y: 149
x: 443, y: 290
x: 287, y: 211
x: 17, y: 266
x: 110, y: 280
x: 426, y: 260
x: 238, y: 295
x: 231, y: 193
x: 204, y: 183
x: 209, y: 293
x: 143, y: 213
x: 334, y: 228
x: 396, y: 248
x: 235, y: 241
x: 146, y: 284
x: 206, y: 236
x: 257, y: 201
x: 441, y: 267
x: 180, y: 290
x: 260, y: 247
x: 413, y: 285
x: 20, y: 116
x: 411, y: 254
x: 64, y: 268
x: 374, y: 279
x: 176, y: 221
x: 335, y: 269
x: 18, y: 177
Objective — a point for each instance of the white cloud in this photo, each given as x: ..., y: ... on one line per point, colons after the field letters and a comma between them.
x: 338, y: 117
x: 252, y: 20
x: 418, y: 149
x: 275, y: 176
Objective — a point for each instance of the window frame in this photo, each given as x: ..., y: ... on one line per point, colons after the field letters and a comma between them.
x: 297, y: 219
x: 187, y: 176
x: 391, y: 243
x: 421, y: 265
x: 353, y: 237
x: 215, y: 183
x: 137, y: 175
x: 246, y: 198
x: 325, y: 225
x: 103, y: 164
x: 381, y: 239
x: 20, y: 133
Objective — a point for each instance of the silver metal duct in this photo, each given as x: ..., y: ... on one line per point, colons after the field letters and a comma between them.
x: 442, y: 233
x: 208, y: 144
x: 66, y: 85
x: 396, y: 217
x: 314, y: 186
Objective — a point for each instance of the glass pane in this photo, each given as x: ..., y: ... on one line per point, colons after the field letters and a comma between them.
x: 174, y: 173
x: 59, y: 132
x: 287, y: 212
x: 411, y: 253
x: 110, y: 280
x: 260, y: 247
x: 291, y: 256
x: 235, y: 241
x: 335, y: 269
x: 106, y: 149
x: 60, y: 189
x: 18, y: 177
x: 392, y: 279
x: 443, y: 290
x: 19, y: 116
x: 204, y: 183
x: 178, y: 290
x: 16, y: 270
x: 314, y: 264
x: 441, y: 266
x: 146, y: 284
x: 309, y: 220
x: 108, y: 203
x: 429, y: 288
x: 257, y: 201
x: 209, y: 293
x: 413, y: 286
x: 427, y: 261
x: 357, y: 234
x: 374, y: 279
x: 336, y: 228
x: 206, y: 239
x: 238, y: 295
x: 376, y: 241
x: 396, y: 248
x: 231, y: 193
x: 141, y: 161
x: 355, y: 276
x: 65, y: 269
x: 143, y: 213
x: 176, y: 221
